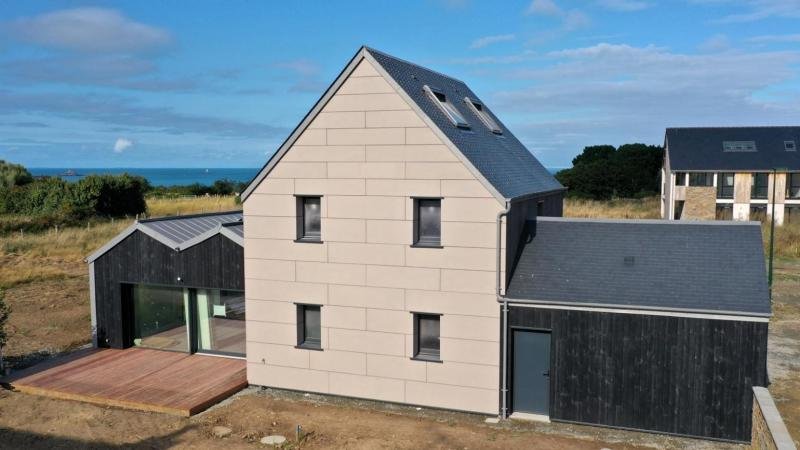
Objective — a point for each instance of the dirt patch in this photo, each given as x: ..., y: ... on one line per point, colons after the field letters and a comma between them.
x: 327, y: 422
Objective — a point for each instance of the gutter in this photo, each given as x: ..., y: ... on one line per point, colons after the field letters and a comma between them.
x: 501, y: 298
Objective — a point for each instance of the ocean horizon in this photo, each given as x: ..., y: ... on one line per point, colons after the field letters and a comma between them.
x: 164, y: 176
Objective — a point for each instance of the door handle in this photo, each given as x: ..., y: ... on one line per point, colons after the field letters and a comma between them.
x: 546, y: 373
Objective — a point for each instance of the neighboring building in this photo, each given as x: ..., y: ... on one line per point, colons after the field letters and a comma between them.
x: 727, y: 173
x: 397, y: 248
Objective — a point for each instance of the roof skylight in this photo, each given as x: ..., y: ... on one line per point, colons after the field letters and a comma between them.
x: 483, y: 114
x: 446, y: 107
x: 739, y: 146
x: 789, y: 146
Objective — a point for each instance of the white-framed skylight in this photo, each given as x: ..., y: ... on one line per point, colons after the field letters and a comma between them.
x: 446, y: 106
x: 789, y: 146
x: 738, y: 146
x: 480, y: 111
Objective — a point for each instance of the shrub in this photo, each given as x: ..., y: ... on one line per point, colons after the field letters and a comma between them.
x: 13, y: 175
x: 5, y: 311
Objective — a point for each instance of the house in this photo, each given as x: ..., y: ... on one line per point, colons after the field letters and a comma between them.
x: 403, y: 245
x: 731, y: 173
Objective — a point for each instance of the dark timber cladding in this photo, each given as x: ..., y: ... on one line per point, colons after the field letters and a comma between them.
x: 217, y: 262
x: 680, y: 375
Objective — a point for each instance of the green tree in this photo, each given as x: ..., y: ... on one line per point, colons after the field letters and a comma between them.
x: 13, y: 175
x: 5, y: 311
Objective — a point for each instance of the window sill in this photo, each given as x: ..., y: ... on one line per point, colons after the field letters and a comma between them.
x: 424, y: 358
x: 423, y: 245
x: 316, y: 348
x: 309, y: 241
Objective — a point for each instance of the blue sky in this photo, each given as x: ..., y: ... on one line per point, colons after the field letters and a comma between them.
x: 221, y: 84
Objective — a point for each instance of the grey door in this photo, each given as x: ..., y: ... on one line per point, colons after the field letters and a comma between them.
x: 531, y: 386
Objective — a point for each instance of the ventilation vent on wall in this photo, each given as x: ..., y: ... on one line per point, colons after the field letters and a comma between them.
x: 789, y: 146
x: 739, y: 146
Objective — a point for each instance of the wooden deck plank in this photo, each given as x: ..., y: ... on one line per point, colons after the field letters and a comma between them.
x: 143, y: 379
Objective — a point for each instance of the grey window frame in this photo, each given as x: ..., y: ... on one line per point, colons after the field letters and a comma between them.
x: 761, y: 208
x: 791, y: 178
x: 479, y: 109
x: 680, y: 178
x: 725, y: 192
x: 302, y: 235
x: 755, y: 192
x: 790, y: 146
x: 447, y: 107
x: 417, y: 240
x: 792, y: 213
x: 424, y: 354
x: 302, y: 329
x: 723, y: 209
x: 708, y: 179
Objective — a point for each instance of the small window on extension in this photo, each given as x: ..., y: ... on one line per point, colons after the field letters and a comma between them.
x: 309, y: 333
x: 446, y: 106
x: 483, y: 114
x: 426, y: 337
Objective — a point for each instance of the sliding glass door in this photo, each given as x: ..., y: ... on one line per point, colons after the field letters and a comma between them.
x: 188, y: 319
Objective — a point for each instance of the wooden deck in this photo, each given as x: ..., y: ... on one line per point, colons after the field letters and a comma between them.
x: 136, y: 378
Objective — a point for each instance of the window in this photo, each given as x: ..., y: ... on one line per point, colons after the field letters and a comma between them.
x: 758, y: 212
x: 680, y: 178
x: 308, y: 327
x: 447, y: 107
x: 792, y: 214
x: 738, y: 146
x: 426, y: 337
x: 793, y: 185
x: 701, y: 179
x: 760, y: 187
x: 678, y: 209
x: 725, y: 185
x: 789, y: 146
x: 483, y: 114
x: 540, y: 208
x: 427, y: 222
x: 724, y: 212
x: 309, y: 223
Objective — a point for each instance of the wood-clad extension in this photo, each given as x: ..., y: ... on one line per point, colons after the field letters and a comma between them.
x: 136, y: 378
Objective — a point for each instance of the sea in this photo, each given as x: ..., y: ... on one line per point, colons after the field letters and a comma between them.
x: 164, y: 176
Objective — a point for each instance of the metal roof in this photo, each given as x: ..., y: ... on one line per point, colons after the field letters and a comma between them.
x: 501, y: 161
x: 182, y: 232
x: 708, y: 266
x: 732, y: 148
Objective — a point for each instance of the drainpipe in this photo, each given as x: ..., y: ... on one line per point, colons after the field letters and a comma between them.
x: 501, y: 298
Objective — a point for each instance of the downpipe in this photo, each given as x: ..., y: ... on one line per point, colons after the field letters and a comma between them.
x: 501, y: 298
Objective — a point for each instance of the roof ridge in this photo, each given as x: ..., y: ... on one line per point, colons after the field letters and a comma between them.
x: 732, y: 127
x: 190, y: 216
x: 649, y: 221
x: 373, y: 50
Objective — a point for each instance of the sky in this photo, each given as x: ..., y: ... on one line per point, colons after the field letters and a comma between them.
x: 222, y: 84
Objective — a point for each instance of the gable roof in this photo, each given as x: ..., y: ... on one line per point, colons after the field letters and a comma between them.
x: 704, y: 266
x: 702, y: 148
x: 182, y: 232
x: 501, y: 162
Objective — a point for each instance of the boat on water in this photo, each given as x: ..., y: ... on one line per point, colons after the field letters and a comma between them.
x: 70, y: 173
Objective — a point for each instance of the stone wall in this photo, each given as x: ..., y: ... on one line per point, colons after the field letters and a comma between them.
x: 769, y: 431
x: 700, y: 203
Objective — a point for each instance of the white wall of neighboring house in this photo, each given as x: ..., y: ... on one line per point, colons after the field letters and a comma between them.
x: 367, y: 154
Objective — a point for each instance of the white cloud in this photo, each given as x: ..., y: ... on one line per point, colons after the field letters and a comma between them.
x: 545, y: 8
x: 716, y: 43
x: 575, y: 19
x: 489, y: 40
x: 122, y: 144
x: 570, y: 19
x: 624, y: 5
x: 523, y: 56
x: 91, y: 30
x: 772, y: 38
x: 755, y: 10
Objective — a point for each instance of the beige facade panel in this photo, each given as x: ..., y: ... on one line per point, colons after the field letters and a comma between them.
x: 400, y: 367
x: 469, y: 351
x: 479, y: 282
x: 365, y: 85
x: 378, y: 254
x: 336, y: 361
x: 342, y: 119
x: 389, y: 321
x: 278, y: 355
x: 780, y: 188
x: 344, y: 317
x: 288, y: 169
x: 366, y: 102
x: 272, y: 205
x: 700, y: 203
x: 465, y: 188
x: 364, y: 69
x: 393, y: 119
x: 452, y: 258
x: 274, y: 186
x: 470, y: 234
x: 421, y: 136
x: 741, y: 187
x: 311, y: 137
x: 265, y: 269
x: 287, y: 291
x: 364, y: 297
x: 470, y: 210
x: 390, y: 231
x: 404, y: 188
x: 344, y: 230
x: 741, y: 211
x: 437, y: 171
x: 329, y: 186
x: 452, y: 303
x: 412, y: 153
x: 319, y: 272
x: 321, y: 153
x: 403, y: 277
x: 288, y: 378
x: 470, y: 327
x: 269, y: 227
x: 459, y: 374
x: 366, y: 207
x: 452, y: 397
x: 366, y: 342
x: 271, y: 332
x: 287, y: 250
x: 275, y: 311
x: 367, y: 387
x: 394, y: 170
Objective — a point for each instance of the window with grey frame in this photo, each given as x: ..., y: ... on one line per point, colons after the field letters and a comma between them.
x: 725, y: 181
x: 309, y: 331
x: 760, y: 187
x: 701, y: 179
x: 426, y: 337
x: 793, y: 185
x: 427, y: 222
x: 680, y: 178
x: 446, y: 106
x: 309, y: 219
